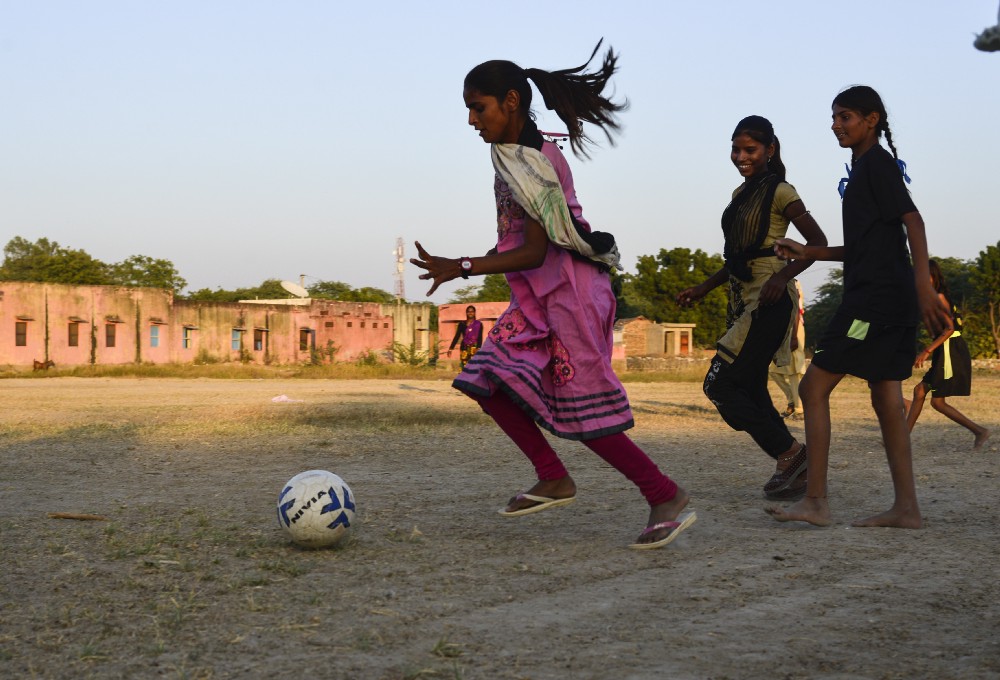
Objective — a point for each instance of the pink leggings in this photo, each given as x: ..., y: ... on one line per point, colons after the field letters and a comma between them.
x: 616, y: 449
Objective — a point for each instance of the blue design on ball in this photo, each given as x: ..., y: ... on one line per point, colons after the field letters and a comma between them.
x: 285, y: 507
x: 334, y: 505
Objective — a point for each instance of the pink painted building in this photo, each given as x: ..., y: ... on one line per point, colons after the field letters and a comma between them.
x: 78, y: 325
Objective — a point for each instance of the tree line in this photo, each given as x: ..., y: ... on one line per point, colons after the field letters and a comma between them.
x: 45, y: 261
x: 974, y: 286
x: 650, y: 292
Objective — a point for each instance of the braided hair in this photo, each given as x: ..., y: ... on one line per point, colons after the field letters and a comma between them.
x: 866, y: 100
x: 574, y: 93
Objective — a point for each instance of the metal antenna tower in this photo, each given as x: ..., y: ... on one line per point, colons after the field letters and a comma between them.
x: 400, y: 289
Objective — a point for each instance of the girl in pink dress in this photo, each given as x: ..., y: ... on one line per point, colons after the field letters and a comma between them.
x: 547, y: 361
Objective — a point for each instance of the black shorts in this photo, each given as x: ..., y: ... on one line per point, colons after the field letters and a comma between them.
x: 870, y: 351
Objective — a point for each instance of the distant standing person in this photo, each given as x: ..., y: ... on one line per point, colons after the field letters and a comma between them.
x: 787, y: 377
x: 468, y: 336
x: 950, y: 374
x: 762, y: 300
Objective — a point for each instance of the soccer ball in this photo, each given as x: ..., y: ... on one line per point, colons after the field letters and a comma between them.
x: 316, y: 508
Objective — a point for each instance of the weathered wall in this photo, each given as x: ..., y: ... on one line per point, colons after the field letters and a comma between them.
x: 267, y: 333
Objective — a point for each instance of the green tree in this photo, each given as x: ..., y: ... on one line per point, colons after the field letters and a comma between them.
x: 986, y: 280
x: 652, y: 290
x: 825, y: 305
x: 369, y: 294
x: 143, y: 271
x: 46, y: 261
x: 494, y: 288
x: 337, y: 290
x: 269, y: 289
x: 329, y: 290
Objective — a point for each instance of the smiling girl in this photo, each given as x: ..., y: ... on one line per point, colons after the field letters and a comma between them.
x: 547, y: 360
x: 763, y: 301
x: 872, y: 336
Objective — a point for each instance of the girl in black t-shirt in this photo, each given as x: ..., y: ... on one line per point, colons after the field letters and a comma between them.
x: 950, y: 374
x: 873, y: 334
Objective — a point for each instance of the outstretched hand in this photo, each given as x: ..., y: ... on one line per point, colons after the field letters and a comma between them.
x: 689, y: 296
x: 440, y: 269
x: 789, y: 249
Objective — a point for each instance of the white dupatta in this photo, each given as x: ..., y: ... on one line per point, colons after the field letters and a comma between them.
x: 535, y: 186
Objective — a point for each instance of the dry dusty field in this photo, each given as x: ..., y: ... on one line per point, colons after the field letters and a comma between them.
x: 190, y: 576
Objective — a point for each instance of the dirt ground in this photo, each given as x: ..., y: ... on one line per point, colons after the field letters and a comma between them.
x: 190, y: 576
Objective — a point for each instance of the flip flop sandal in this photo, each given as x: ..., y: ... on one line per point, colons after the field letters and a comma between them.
x: 682, y: 523
x: 782, y: 480
x: 542, y: 503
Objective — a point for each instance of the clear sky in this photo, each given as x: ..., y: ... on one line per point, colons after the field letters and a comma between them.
x: 245, y: 140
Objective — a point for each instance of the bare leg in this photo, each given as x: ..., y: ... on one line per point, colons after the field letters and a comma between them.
x: 943, y: 407
x: 887, y: 399
x: 815, y: 390
x: 914, y: 407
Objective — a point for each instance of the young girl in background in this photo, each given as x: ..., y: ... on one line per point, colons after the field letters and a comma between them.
x: 873, y: 333
x: 950, y: 374
x: 468, y: 336
x: 763, y: 301
x: 547, y: 360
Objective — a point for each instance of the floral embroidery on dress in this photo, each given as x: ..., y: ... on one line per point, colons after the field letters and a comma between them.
x: 562, y: 369
x: 508, y: 325
x: 508, y: 209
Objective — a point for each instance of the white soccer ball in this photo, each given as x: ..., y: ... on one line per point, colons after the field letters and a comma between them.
x: 316, y: 508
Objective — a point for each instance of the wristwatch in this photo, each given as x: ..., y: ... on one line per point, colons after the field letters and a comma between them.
x: 466, y: 264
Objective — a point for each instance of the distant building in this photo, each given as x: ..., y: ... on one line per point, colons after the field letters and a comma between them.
x: 638, y: 336
x: 78, y: 325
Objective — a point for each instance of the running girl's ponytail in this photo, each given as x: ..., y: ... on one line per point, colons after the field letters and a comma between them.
x: 574, y: 94
x: 865, y: 100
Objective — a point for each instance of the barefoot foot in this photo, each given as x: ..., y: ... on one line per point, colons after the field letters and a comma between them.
x: 981, y: 439
x: 899, y: 519
x: 809, y: 509
x: 563, y: 489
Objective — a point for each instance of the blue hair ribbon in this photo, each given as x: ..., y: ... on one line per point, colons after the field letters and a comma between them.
x: 902, y: 169
x: 842, y: 187
x: 844, y: 180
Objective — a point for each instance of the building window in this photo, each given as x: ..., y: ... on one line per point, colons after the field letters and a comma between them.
x: 188, y: 340
x: 350, y: 324
x: 385, y: 325
x: 258, y: 339
x: 74, y: 334
x: 21, y: 333
x: 362, y: 324
x: 237, y: 339
x: 154, y: 336
x: 328, y: 324
x: 305, y: 339
x: 109, y: 335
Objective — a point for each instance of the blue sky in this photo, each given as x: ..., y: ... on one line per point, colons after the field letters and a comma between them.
x: 251, y: 140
